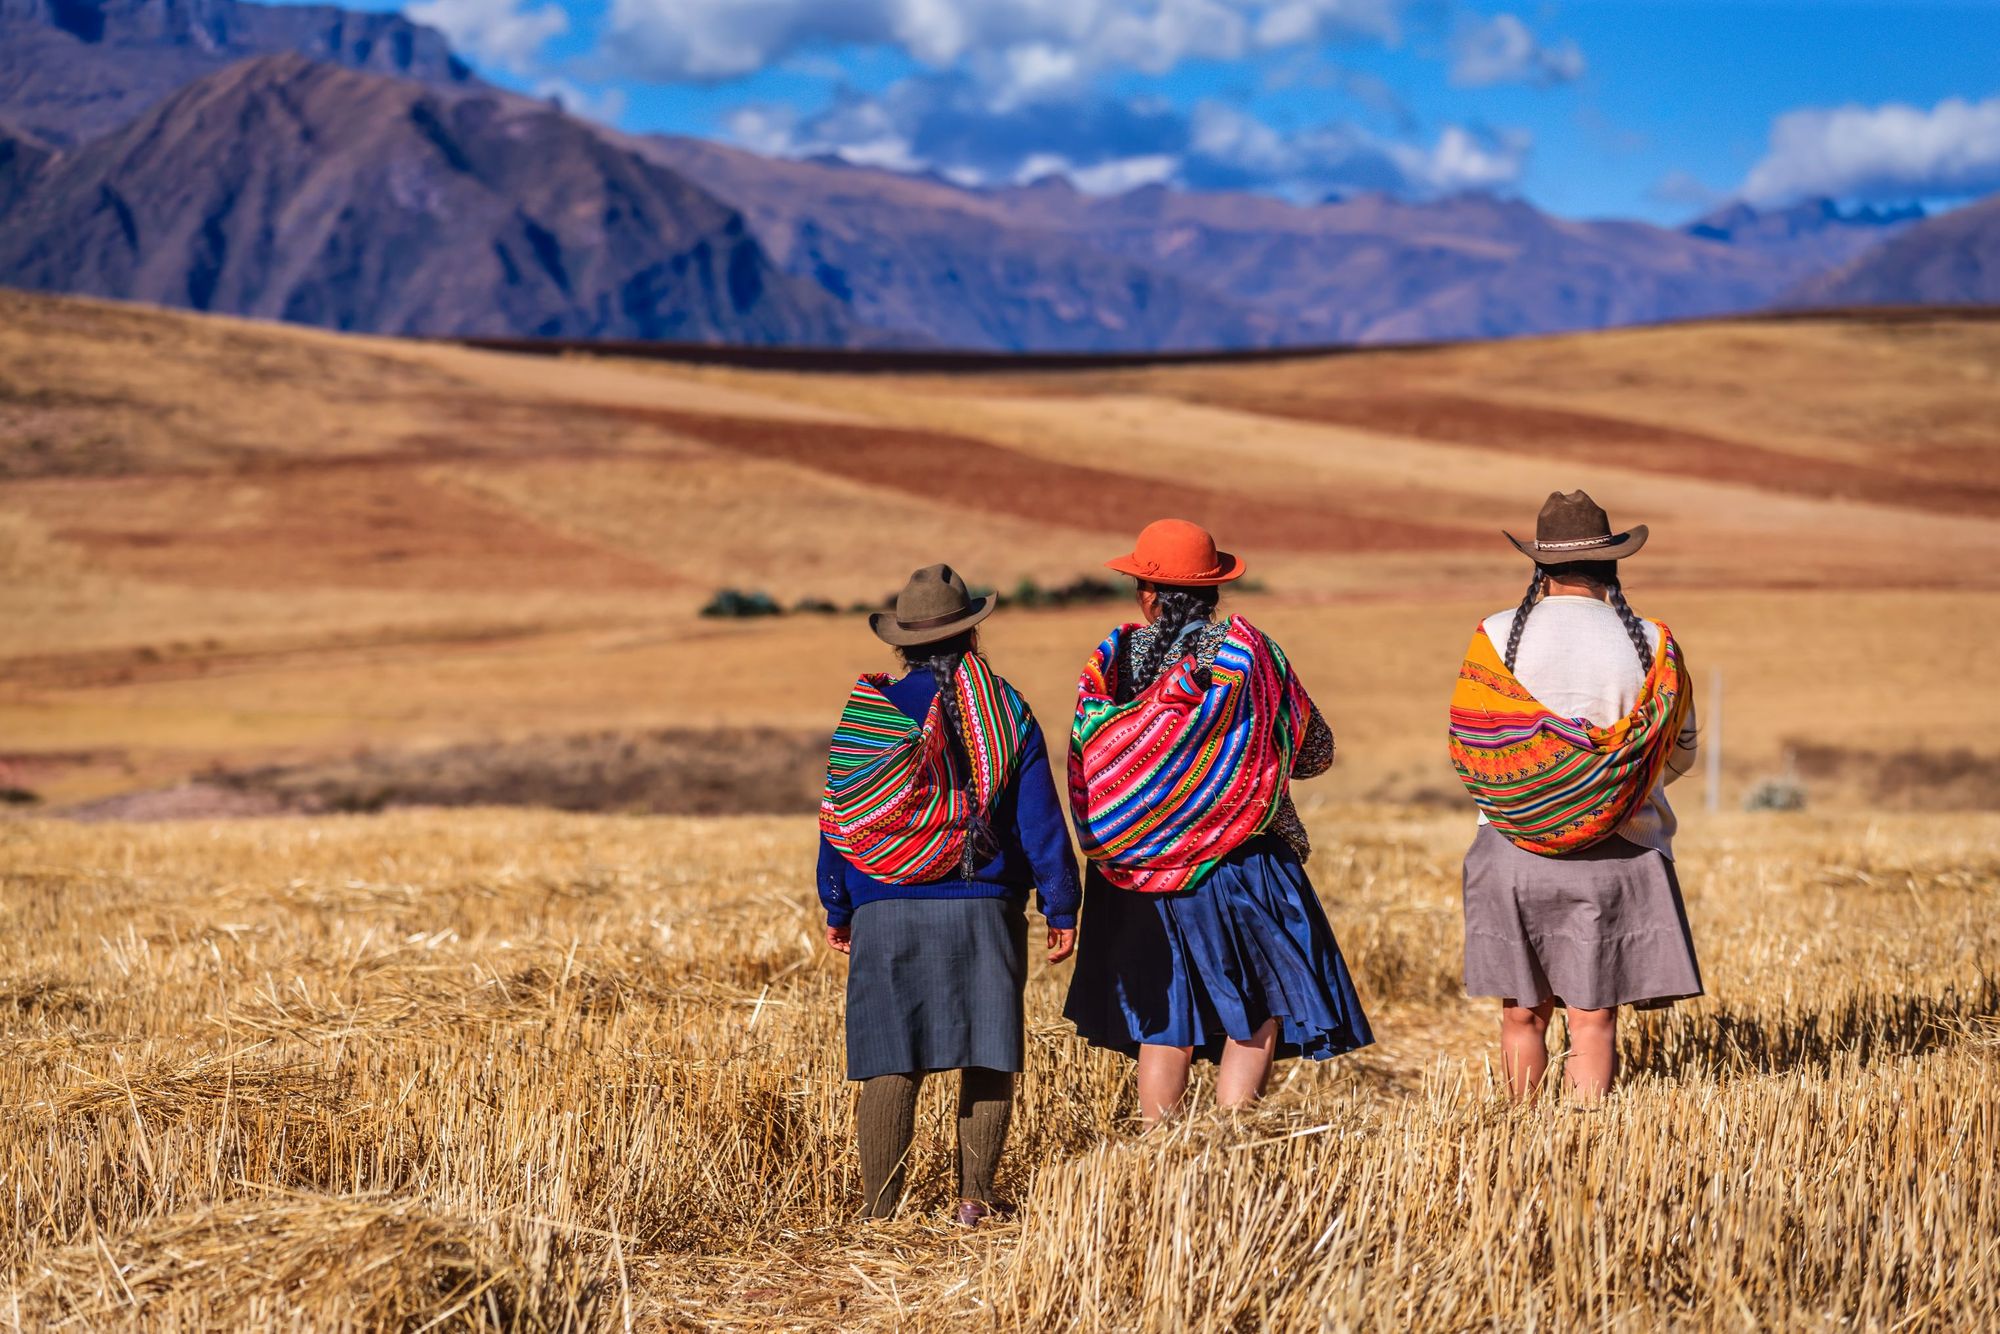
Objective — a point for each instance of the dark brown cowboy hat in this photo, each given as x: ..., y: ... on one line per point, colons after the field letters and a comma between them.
x: 934, y: 605
x: 1574, y: 528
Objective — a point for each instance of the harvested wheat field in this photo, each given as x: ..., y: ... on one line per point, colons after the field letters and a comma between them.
x: 407, y: 921
x: 527, y: 1071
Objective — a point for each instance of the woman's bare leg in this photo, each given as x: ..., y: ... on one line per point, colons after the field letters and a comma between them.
x: 1163, y: 1080
x: 1592, y: 1065
x: 1524, y: 1046
x: 1246, y: 1066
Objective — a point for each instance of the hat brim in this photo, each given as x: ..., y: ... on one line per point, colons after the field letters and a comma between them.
x: 1625, y: 544
x: 1228, y: 568
x: 889, y: 631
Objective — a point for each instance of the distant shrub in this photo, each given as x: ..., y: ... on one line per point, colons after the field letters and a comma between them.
x: 18, y: 796
x: 1077, y: 592
x: 1776, y: 794
x: 1027, y: 594
x: 735, y: 604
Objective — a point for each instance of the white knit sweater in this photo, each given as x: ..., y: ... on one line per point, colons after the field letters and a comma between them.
x: 1577, y: 660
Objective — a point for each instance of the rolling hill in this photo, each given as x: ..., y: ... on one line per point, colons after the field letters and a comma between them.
x: 272, y: 551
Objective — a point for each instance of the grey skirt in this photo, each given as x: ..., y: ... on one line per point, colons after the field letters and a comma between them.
x: 935, y: 984
x: 1590, y: 929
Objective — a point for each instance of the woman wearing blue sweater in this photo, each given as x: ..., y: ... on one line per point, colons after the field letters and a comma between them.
x: 939, y: 815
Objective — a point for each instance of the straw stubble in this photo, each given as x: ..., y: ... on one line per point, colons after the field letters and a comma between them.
x: 506, y: 1070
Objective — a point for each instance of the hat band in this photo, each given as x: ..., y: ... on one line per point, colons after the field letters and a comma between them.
x: 933, y: 622
x: 1582, y: 544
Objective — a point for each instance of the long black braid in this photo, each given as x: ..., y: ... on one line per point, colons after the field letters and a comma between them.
x: 941, y: 659
x: 1528, y: 601
x: 1602, y: 573
x: 1181, y: 605
x: 1634, y: 627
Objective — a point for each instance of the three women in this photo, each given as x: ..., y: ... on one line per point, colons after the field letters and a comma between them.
x: 1202, y: 936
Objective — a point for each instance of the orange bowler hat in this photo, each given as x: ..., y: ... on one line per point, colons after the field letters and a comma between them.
x: 1174, y: 551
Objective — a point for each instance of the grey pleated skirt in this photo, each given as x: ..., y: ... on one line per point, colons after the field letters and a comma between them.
x: 935, y: 984
x: 1590, y: 929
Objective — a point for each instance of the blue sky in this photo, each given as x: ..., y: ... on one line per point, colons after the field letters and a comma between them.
x: 1640, y: 108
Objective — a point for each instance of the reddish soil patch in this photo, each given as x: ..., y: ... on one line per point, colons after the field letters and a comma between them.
x: 1643, y: 446
x: 366, y: 528
x: 186, y: 801
x: 730, y: 771
x: 965, y: 471
x: 181, y: 660
x: 1959, y: 779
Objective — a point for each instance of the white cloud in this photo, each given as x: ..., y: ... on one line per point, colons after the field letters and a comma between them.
x: 1503, y: 50
x: 1122, y: 174
x: 1012, y: 90
x: 723, y: 39
x: 1462, y: 160
x: 496, y: 32
x: 944, y: 123
x: 1892, y: 151
x: 606, y: 106
x: 1231, y: 148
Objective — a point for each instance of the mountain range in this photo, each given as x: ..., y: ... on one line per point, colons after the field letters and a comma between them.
x: 290, y: 189
x: 348, y: 170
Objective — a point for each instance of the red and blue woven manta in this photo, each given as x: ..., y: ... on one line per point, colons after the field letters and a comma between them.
x: 896, y: 800
x: 1165, y: 786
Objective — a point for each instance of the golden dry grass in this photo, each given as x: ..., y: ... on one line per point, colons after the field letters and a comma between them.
x: 527, y: 1071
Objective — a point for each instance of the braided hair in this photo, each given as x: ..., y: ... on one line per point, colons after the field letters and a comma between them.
x: 941, y: 659
x: 1603, y: 574
x: 1180, y: 605
x: 1528, y: 601
x: 1634, y: 627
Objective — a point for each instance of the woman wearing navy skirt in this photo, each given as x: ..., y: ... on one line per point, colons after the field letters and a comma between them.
x: 938, y: 817
x: 1202, y: 936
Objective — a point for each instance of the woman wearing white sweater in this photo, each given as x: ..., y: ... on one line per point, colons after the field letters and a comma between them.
x: 1567, y: 738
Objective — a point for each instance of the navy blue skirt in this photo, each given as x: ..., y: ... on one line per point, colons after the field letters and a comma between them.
x: 1247, y: 944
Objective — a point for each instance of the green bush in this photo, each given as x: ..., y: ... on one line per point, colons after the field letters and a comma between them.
x: 735, y: 604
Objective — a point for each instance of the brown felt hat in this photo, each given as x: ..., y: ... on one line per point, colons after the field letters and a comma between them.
x: 1574, y: 528
x: 933, y: 605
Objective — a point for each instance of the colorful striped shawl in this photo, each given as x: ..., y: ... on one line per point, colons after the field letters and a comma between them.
x: 1555, y: 785
x: 1167, y: 785
x: 895, y: 803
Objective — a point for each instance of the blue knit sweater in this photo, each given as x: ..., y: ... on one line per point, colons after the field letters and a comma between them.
x: 1027, y: 821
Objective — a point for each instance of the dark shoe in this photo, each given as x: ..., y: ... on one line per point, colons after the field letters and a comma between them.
x: 971, y: 1213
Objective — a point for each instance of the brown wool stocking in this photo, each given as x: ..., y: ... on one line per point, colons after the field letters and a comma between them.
x: 985, y: 1105
x: 886, y: 1121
